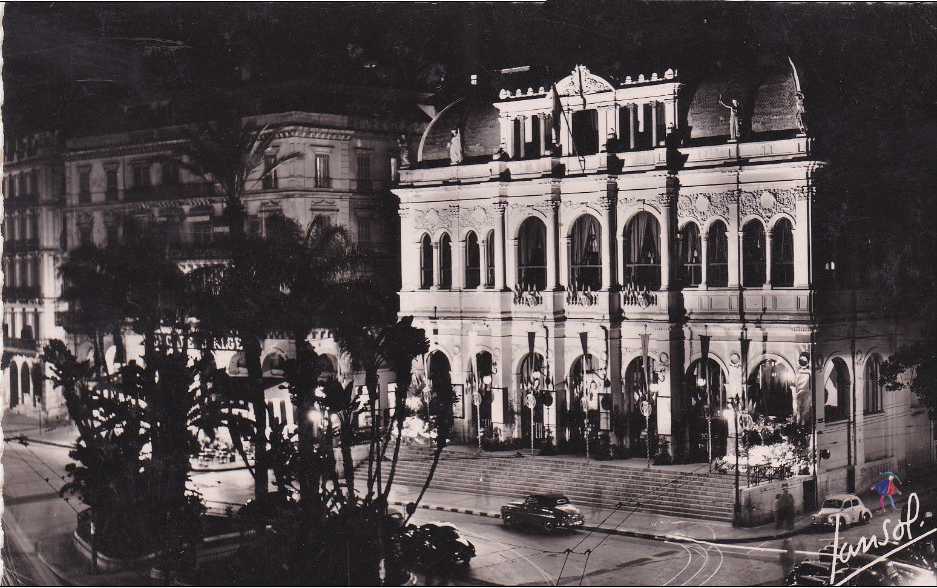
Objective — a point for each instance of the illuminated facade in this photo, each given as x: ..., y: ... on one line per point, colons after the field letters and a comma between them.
x: 597, y: 235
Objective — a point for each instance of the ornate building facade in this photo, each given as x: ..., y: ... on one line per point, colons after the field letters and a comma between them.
x: 636, y: 258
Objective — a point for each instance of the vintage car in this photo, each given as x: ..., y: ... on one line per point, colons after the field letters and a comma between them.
x: 436, y: 546
x: 848, y: 508
x: 544, y: 511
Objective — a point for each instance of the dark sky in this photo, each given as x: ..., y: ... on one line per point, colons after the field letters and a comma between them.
x: 60, y: 55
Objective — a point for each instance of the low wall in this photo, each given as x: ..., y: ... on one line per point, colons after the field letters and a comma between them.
x: 758, y: 502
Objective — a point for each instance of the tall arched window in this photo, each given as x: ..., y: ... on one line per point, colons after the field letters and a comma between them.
x: 38, y: 379
x: 753, y: 255
x: 837, y: 389
x: 873, y: 385
x: 445, y: 262
x: 703, y: 377
x: 769, y: 389
x: 642, y: 252
x: 24, y: 381
x: 472, y: 261
x: 585, y: 266
x: 532, y: 255
x: 635, y: 382
x: 14, y: 385
x: 490, y: 254
x: 717, y: 256
x: 426, y: 263
x: 782, y: 254
x: 691, y: 255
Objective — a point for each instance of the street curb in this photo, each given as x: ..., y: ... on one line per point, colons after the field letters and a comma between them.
x: 18, y: 438
x: 64, y: 578
x: 621, y: 532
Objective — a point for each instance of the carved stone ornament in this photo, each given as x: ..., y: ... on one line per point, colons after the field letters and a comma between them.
x: 767, y: 203
x: 433, y: 219
x: 703, y: 206
x: 735, y: 360
x: 475, y: 216
x: 581, y: 80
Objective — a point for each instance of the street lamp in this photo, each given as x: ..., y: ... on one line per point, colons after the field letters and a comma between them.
x: 477, y: 399
x: 536, y: 385
x: 742, y: 421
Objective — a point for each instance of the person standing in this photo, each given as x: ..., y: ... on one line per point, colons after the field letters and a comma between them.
x: 787, y: 502
x: 887, y: 488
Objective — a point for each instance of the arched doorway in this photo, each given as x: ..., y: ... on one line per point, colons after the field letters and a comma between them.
x: 706, y: 381
x: 479, y: 379
x: 530, y: 376
x: 769, y: 390
x: 24, y: 381
x: 837, y: 391
x: 38, y: 387
x: 587, y: 398
x: 637, y: 389
x: 14, y: 385
x: 440, y: 377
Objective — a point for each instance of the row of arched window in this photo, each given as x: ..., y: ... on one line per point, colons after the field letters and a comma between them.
x: 641, y: 255
x: 25, y: 382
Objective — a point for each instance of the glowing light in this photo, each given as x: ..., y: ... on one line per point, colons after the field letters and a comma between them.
x: 486, y: 380
x: 314, y: 416
x: 701, y: 382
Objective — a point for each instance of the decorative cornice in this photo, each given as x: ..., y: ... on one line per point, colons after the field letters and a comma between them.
x: 475, y: 217
x: 702, y: 207
x: 767, y: 203
x: 433, y: 219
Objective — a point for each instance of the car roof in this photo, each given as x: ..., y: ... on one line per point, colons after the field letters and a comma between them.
x: 549, y: 496
x: 841, y: 497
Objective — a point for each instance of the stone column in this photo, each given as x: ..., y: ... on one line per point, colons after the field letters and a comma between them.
x: 802, y: 261
x: 631, y: 125
x: 768, y: 235
x: 507, y: 130
x: 458, y: 264
x: 605, y: 124
x: 437, y: 265
x: 522, y: 131
x: 565, y: 260
x: 542, y: 121
x: 552, y: 253
x: 564, y: 138
x: 514, y: 265
x: 608, y: 279
x: 415, y: 278
x: 483, y: 265
x: 653, y: 124
x: 704, y: 254
x: 499, y: 246
x: 666, y: 230
x: 733, y: 239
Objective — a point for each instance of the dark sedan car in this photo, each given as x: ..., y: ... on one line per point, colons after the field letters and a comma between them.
x: 544, y: 511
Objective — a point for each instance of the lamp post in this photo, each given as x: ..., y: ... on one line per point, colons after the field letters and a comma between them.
x: 702, y: 383
x: 735, y: 403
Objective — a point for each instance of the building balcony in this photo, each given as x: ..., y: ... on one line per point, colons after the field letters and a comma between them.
x: 168, y: 192
x: 20, y: 344
x: 724, y: 303
x: 24, y: 294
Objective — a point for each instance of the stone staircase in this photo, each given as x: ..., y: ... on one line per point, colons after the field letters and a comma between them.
x: 663, y: 490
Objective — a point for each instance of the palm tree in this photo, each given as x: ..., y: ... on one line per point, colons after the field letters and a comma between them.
x: 227, y: 153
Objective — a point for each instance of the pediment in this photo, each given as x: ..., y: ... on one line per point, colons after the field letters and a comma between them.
x: 581, y: 80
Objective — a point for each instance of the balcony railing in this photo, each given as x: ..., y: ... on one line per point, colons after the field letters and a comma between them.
x: 167, y: 192
x: 19, y: 343
x: 20, y: 294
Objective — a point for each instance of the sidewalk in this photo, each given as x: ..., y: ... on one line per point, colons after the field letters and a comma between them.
x: 60, y: 432
x: 62, y: 558
x: 619, y: 522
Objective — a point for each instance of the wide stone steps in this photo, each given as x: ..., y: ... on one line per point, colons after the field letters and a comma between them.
x: 592, y: 484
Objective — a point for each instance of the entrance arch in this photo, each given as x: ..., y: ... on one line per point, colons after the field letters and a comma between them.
x: 769, y: 389
x: 440, y: 377
x: 529, y: 374
x: 637, y: 389
x: 706, y: 381
x: 14, y: 385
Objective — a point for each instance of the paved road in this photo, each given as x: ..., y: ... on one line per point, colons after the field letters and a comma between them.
x: 505, y: 556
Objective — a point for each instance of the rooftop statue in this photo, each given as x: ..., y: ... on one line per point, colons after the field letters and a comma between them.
x: 455, y: 148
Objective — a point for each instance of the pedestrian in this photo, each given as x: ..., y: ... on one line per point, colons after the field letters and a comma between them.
x: 778, y: 511
x: 787, y: 501
x: 887, y: 488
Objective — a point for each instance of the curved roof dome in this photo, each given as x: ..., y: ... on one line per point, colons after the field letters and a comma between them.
x: 476, y: 121
x: 768, y: 97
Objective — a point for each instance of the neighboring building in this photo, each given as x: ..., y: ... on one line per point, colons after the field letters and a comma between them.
x: 560, y: 269
x: 33, y: 190
x: 111, y: 184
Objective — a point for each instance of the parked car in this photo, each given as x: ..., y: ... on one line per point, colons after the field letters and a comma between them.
x: 437, y: 546
x: 819, y: 573
x: 848, y: 508
x: 544, y: 511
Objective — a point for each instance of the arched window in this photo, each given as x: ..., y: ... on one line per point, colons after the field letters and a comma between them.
x: 717, y: 256
x: 426, y: 263
x: 837, y: 392
x: 753, y: 255
x: 782, y: 254
x: 238, y: 365
x: 24, y: 381
x: 769, y: 389
x: 445, y: 262
x: 691, y: 255
x: 873, y: 385
x: 273, y: 364
x: 635, y: 380
x: 642, y: 252
x: 490, y: 254
x: 472, y: 261
x: 705, y: 386
x: 585, y: 265
x: 14, y: 385
x: 532, y: 255
x: 583, y: 365
x: 327, y: 366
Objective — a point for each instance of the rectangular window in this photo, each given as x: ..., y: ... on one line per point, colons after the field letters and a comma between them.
x: 141, y: 175
x: 113, y: 237
x: 270, y: 181
x: 34, y: 182
x: 170, y: 173
x: 364, y: 230
x: 84, y: 186
x: 323, y: 179
x: 364, y: 173
x: 111, y: 185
